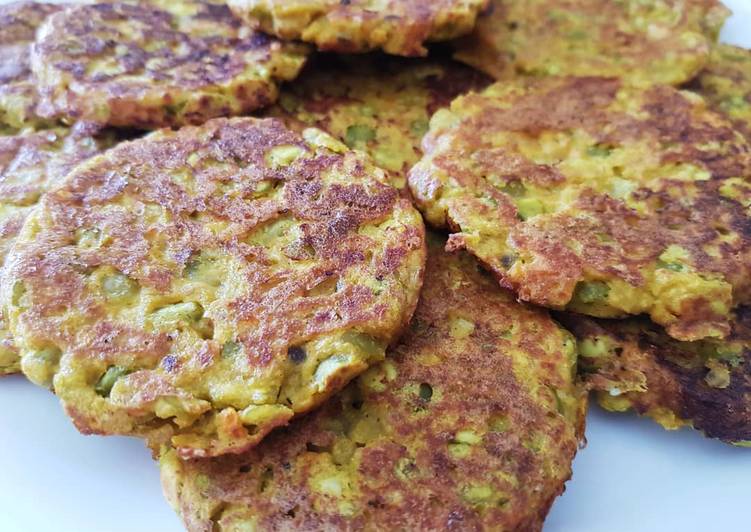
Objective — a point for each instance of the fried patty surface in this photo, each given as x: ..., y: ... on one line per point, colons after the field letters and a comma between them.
x: 376, y: 104
x: 156, y: 64
x: 471, y: 423
x: 200, y: 287
x: 584, y: 194
x: 30, y: 164
x: 18, y: 99
x: 657, y: 41
x: 400, y: 27
x: 726, y: 84
x: 633, y: 365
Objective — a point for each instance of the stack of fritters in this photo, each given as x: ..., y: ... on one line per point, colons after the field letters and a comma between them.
x: 472, y: 422
x: 204, y: 286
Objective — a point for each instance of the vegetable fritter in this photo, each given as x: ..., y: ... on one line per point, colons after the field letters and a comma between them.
x: 376, y: 104
x: 471, y: 424
x: 584, y: 194
x: 633, y: 364
x: 138, y: 65
x: 399, y: 27
x: 18, y: 99
x: 30, y: 164
x: 726, y: 84
x: 202, y: 286
x: 654, y: 41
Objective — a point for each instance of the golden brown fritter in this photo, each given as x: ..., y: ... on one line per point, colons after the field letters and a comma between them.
x: 30, y: 164
x: 633, y: 364
x: 655, y: 41
x: 470, y: 424
x: 726, y: 85
x: 600, y: 198
x: 203, y: 286
x: 376, y: 104
x: 18, y: 98
x: 142, y: 66
x: 399, y: 27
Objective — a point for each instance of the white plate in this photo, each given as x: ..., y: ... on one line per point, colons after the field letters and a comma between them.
x: 633, y: 476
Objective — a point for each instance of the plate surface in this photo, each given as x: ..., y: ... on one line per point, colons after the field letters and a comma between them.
x: 632, y: 476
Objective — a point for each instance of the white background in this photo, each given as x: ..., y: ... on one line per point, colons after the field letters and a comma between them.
x: 633, y: 476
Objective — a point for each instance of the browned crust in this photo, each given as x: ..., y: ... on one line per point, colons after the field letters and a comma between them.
x: 672, y: 376
x: 156, y: 68
x: 666, y: 42
x: 406, y: 478
x: 385, y: 86
x: 453, y: 186
x: 18, y: 24
x: 726, y: 84
x: 401, y: 27
x: 30, y: 164
x: 276, y: 306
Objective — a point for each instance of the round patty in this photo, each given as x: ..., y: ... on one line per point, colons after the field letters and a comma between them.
x: 471, y: 423
x: 18, y: 98
x: 376, y: 104
x: 399, y: 27
x: 143, y: 66
x: 201, y: 287
x: 30, y: 164
x: 633, y: 364
x: 655, y: 41
x: 726, y: 85
x: 584, y: 194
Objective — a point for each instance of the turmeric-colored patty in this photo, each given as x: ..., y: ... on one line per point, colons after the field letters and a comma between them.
x: 201, y: 287
x: 471, y: 424
x: 376, y: 104
x: 399, y: 27
x: 726, y: 85
x: 633, y: 365
x: 584, y: 194
x: 30, y: 164
x: 653, y: 41
x: 18, y: 98
x: 156, y: 64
